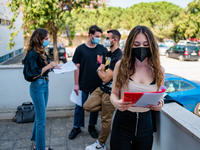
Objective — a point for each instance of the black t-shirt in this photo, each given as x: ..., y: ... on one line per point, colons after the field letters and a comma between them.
x: 33, y: 65
x: 89, y: 60
x: 110, y: 61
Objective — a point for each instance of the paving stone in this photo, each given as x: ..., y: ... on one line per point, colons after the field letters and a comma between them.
x: 59, y: 147
x: 7, y: 145
x: 24, y: 135
x: 23, y: 143
x: 23, y: 148
x: 3, y: 127
x: 14, y: 127
x: 27, y: 127
x: 56, y: 133
x: 57, y: 141
x: 9, y: 136
x: 1, y: 134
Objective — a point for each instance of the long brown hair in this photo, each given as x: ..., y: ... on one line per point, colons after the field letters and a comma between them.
x: 37, y: 44
x: 127, y: 67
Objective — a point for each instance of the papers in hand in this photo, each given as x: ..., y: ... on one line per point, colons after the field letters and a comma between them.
x: 77, y: 99
x: 67, y: 67
x: 144, y: 99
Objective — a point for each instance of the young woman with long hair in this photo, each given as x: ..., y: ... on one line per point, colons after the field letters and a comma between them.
x: 36, y: 69
x: 138, y: 71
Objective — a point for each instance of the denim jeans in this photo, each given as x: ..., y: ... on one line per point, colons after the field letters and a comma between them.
x: 39, y: 94
x: 80, y: 113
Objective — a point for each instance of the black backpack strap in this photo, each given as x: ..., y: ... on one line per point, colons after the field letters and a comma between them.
x: 15, y: 117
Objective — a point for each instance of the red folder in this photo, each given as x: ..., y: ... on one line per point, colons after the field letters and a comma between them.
x: 144, y: 98
x: 131, y: 97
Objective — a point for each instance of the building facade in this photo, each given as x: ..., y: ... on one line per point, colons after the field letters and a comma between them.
x: 5, y: 20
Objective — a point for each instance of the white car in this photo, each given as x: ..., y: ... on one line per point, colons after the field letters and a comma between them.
x: 162, y: 48
x: 169, y: 42
x: 183, y: 42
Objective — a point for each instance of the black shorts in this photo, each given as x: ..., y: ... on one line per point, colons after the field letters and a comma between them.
x: 132, y: 131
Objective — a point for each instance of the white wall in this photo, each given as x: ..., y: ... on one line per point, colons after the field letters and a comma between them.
x: 5, y: 32
x: 14, y: 89
x: 178, y: 129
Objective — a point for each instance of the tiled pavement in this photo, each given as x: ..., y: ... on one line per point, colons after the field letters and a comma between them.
x: 15, y: 136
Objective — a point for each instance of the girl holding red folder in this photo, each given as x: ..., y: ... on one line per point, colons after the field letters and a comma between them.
x: 138, y: 71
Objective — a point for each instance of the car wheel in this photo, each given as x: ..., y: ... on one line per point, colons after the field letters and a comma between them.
x: 197, y: 110
x: 167, y: 55
x: 181, y: 58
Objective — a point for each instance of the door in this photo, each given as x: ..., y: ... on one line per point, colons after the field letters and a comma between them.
x: 171, y: 51
x: 189, y: 96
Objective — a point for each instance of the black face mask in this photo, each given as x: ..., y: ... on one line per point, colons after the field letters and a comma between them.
x: 141, y: 53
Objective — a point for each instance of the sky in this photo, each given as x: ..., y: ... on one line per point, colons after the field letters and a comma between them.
x: 128, y: 3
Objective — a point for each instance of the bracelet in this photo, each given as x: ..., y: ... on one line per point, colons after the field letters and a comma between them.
x: 162, y: 101
x: 97, y: 70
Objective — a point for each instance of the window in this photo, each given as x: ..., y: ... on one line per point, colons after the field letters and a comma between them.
x: 192, y: 48
x: 8, y: 22
x: 172, y: 86
x: 177, y: 47
x: 5, y: 22
x: 186, y: 86
x: 2, y: 21
x: 177, y: 86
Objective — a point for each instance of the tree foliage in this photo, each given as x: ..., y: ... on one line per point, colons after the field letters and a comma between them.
x: 166, y: 20
x: 49, y: 14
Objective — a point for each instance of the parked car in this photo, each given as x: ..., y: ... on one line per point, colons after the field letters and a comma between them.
x: 183, y: 42
x: 184, y: 92
x: 162, y: 48
x: 169, y: 42
x: 122, y: 44
x: 62, y: 52
x: 183, y: 52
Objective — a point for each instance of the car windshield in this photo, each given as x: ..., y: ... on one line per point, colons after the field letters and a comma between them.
x: 50, y: 45
x: 192, y: 48
x: 168, y: 41
x: 163, y: 45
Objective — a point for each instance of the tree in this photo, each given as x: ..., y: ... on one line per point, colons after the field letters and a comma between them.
x: 49, y: 14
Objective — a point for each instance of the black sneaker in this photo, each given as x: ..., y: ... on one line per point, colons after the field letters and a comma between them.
x: 74, y: 133
x: 93, y: 132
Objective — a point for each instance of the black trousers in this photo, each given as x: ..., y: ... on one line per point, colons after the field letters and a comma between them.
x: 132, y: 131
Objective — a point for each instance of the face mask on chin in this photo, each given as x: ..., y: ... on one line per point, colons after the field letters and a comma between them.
x: 141, y: 53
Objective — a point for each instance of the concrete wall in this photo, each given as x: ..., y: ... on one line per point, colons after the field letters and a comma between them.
x: 14, y: 89
x: 178, y: 129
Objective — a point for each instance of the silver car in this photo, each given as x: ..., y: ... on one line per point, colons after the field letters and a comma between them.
x: 162, y: 48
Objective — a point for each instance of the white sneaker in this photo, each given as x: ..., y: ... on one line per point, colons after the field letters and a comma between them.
x: 96, y: 146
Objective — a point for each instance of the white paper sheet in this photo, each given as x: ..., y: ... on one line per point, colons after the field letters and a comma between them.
x: 149, y: 99
x: 77, y: 99
x: 67, y: 67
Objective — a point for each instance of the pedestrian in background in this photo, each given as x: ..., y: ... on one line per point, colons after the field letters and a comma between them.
x: 100, y: 98
x: 87, y: 57
x: 138, y: 71
x: 36, y: 69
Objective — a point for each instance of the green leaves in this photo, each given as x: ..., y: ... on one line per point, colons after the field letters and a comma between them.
x: 50, y: 14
